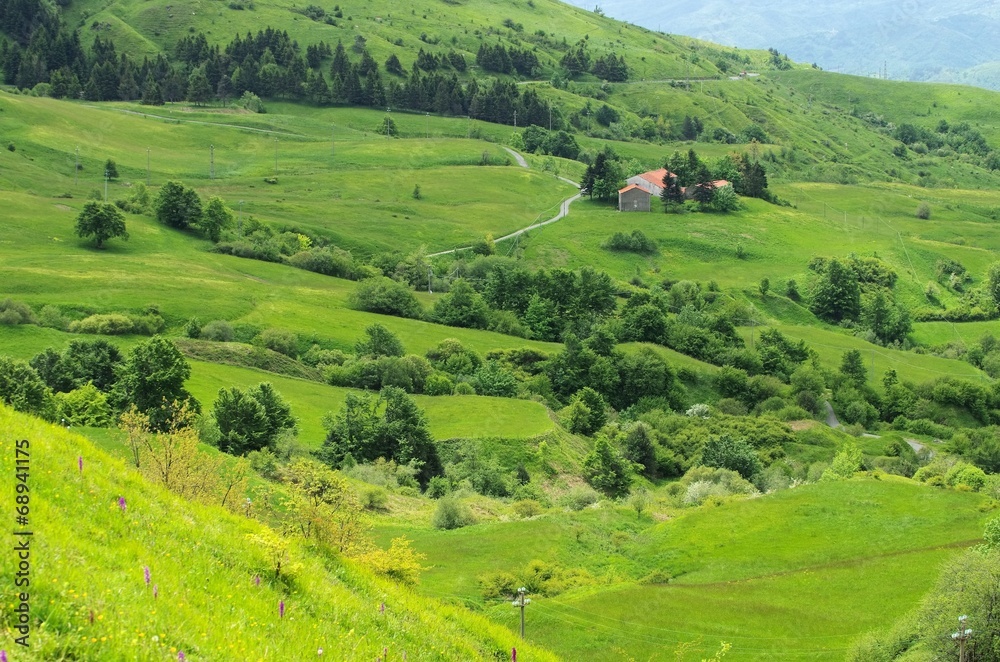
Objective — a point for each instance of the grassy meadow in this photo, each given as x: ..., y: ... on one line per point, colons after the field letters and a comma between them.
x: 797, y: 557
x: 88, y: 577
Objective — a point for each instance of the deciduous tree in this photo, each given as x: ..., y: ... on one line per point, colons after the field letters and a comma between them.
x: 102, y: 221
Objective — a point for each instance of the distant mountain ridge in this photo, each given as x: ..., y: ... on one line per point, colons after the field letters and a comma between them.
x: 953, y: 41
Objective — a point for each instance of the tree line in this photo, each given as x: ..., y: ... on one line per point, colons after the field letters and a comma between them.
x: 267, y: 64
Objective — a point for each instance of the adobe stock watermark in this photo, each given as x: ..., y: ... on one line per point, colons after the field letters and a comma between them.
x: 22, y: 542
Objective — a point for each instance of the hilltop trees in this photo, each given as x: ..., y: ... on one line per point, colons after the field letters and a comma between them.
x: 102, y: 221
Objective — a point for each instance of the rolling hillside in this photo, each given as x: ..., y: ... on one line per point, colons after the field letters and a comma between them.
x: 634, y: 415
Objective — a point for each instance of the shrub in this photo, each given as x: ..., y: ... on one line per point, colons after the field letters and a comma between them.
x: 438, y: 487
x: 324, y: 260
x: 700, y: 490
x: 386, y: 296
x: 375, y: 499
x: 279, y: 340
x: 23, y: 389
x: 51, y: 317
x: 636, y: 242
x: 451, y: 514
x: 923, y: 211
x: 967, y: 475
x: 845, y: 463
x: 464, y: 388
x: 85, y: 406
x: 578, y: 498
x: 264, y: 462
x: 218, y: 330
x: 527, y: 508
x: 438, y: 384
x: 14, y: 312
x: 725, y: 452
x: 112, y: 324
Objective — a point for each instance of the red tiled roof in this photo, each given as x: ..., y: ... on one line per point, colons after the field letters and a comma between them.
x: 630, y: 187
x: 655, y: 176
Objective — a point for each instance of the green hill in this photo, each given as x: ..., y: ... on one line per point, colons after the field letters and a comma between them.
x: 779, y: 553
x: 89, y: 599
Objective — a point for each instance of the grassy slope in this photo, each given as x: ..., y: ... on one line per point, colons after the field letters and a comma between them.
x: 365, y: 181
x: 459, y: 25
x: 448, y: 416
x: 777, y: 554
x: 88, y: 558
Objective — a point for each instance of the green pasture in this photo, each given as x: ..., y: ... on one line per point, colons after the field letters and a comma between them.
x: 812, y: 614
x: 774, y: 576
x: 449, y: 416
x: 338, y: 184
x: 830, y: 345
x: 899, y: 101
x: 963, y: 333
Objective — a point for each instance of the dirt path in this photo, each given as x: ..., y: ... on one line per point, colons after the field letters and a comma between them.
x: 517, y: 157
x: 178, y: 120
x: 831, y: 417
x: 563, y: 211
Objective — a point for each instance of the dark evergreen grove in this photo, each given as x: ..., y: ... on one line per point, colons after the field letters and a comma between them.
x: 269, y: 64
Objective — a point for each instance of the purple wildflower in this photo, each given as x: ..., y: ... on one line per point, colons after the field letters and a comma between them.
x: 145, y: 574
x: 3, y: 656
x: 513, y: 655
x: 79, y: 463
x: 256, y: 580
x: 156, y: 591
x: 385, y: 652
x: 381, y: 608
x: 121, y: 503
x: 281, y: 609
x: 181, y: 656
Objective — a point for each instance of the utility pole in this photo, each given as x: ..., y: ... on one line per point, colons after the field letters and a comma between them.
x: 521, y: 602
x: 430, y: 273
x: 211, y: 161
x: 515, y: 119
x: 961, y: 637
x: 239, y: 221
x: 76, y: 168
x: 147, y: 166
x: 275, y: 156
x: 427, y: 124
x: 550, y: 117
x: 106, y: 176
x: 333, y: 139
x: 468, y: 130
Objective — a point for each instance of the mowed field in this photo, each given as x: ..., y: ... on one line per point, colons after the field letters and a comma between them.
x: 793, y: 575
x: 340, y: 184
